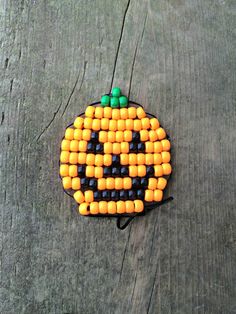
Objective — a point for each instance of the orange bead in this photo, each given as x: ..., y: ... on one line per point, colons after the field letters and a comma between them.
x: 89, y: 112
x: 103, y: 136
x: 104, y: 124
x: 121, y: 125
x: 111, y: 136
x: 145, y: 123
x: 98, y: 172
x: 88, y: 123
x: 115, y: 114
x: 154, y: 123
x: 82, y: 158
x: 141, y: 171
x: 96, y: 125
x: 149, y: 196
x: 140, y: 113
x: 124, y: 147
x: 137, y: 125
x: 127, y: 183
x: 152, y: 183
x: 116, y: 148
x: 129, y: 124
x: 89, y: 172
x: 153, y: 136
x: 98, y: 160
x: 69, y: 134
x: 133, y: 171
x: 166, y: 169
x: 98, y: 112
x: 132, y: 111
x: 161, y: 183
x: 132, y: 159
x: 118, y: 183
x: 107, y: 112
x: 161, y: 133
x: 73, y: 171
x: 88, y: 196
x: 111, y: 207
x: 138, y: 206
x: 84, y: 209
x: 74, y: 145
x: 78, y: 134
x: 158, y: 195
x: 90, y: 159
x: 110, y: 183
x: 107, y: 148
x: 73, y: 158
x: 79, y: 122
x: 124, y: 113
x: 75, y: 184
x: 119, y: 136
x: 101, y: 184
x: 94, y: 208
x: 165, y: 145
x: 158, y: 171
x: 79, y: 197
x: 127, y: 135
x: 65, y: 145
x: 149, y: 147
x: 86, y: 134
x: 64, y: 157
x: 112, y: 125
x: 140, y: 159
x: 157, y: 147
x: 82, y: 146
x: 120, y: 205
x: 165, y: 157
x: 129, y: 207
x: 157, y: 159
x: 124, y: 159
x: 144, y: 135
x: 107, y: 160
x: 149, y: 159
x: 66, y: 182
x: 103, y: 207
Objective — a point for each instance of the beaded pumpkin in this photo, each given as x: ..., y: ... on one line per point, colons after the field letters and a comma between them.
x: 115, y: 158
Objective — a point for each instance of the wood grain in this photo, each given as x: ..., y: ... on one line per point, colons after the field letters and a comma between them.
x: 177, y: 58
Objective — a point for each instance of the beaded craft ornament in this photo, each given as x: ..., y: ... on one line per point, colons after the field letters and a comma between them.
x: 115, y: 159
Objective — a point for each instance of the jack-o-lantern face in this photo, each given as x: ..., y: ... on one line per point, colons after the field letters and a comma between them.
x: 115, y: 158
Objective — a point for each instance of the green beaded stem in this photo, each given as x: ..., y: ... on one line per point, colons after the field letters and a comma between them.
x: 115, y: 100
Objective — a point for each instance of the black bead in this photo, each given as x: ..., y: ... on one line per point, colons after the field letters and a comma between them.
x: 150, y: 170
x: 132, y: 147
x: 131, y: 195
x: 90, y: 147
x: 97, y: 195
x: 115, y: 171
x: 81, y: 170
x: 106, y: 195
x: 115, y: 159
x: 92, y: 184
x: 144, y: 182
x: 84, y: 183
x: 94, y: 136
x: 99, y: 148
x: 141, y: 147
x: 114, y: 195
x: 123, y: 195
x: 135, y: 183
x: 124, y: 171
x: 135, y: 136
x: 107, y: 171
x: 140, y: 194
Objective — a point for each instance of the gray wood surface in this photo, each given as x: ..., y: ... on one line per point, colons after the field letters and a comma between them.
x: 177, y: 58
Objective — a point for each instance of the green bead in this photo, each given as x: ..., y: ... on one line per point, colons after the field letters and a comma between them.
x: 105, y: 100
x: 123, y: 101
x: 116, y: 92
x: 114, y: 102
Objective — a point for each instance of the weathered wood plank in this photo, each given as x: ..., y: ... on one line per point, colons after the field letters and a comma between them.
x: 177, y: 58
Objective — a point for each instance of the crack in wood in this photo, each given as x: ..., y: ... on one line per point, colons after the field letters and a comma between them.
x: 123, y: 258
